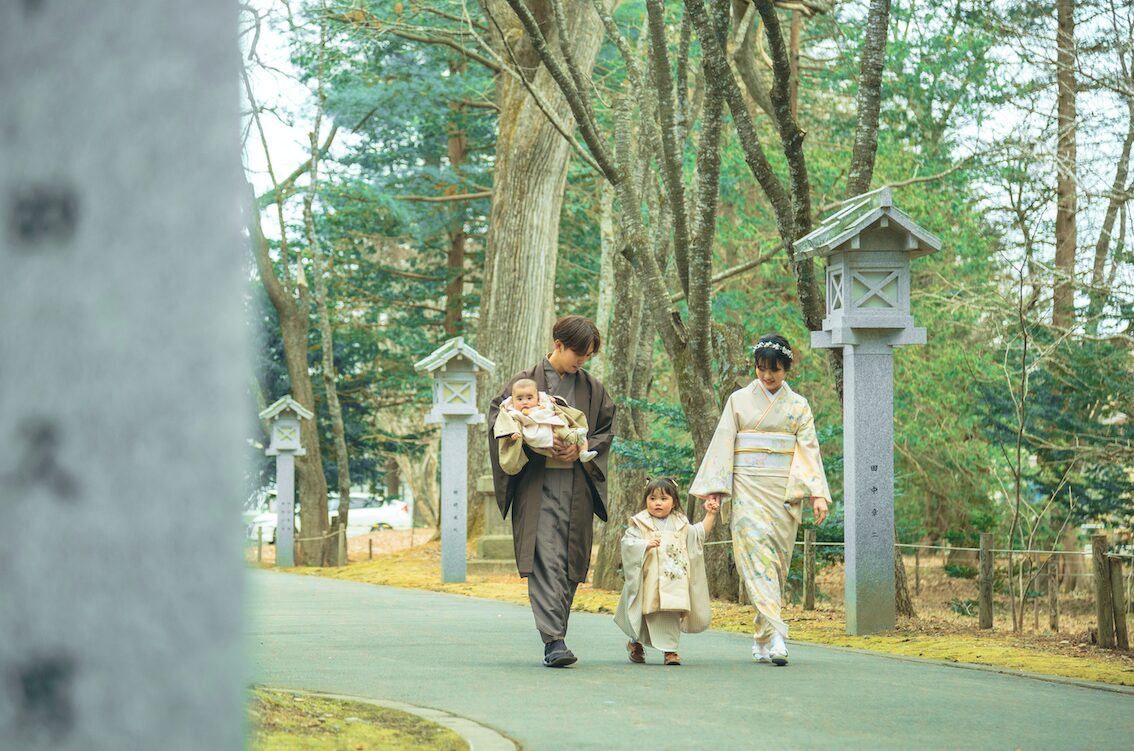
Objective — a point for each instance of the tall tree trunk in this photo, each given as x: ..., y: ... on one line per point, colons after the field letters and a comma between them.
x: 420, y: 473
x: 330, y: 387
x: 627, y: 371
x: 522, y: 243
x: 609, y: 286
x: 331, y: 549
x: 902, y: 602
x: 458, y: 144
x: 1063, y: 299
x: 1118, y: 198
x: 393, y: 478
x: 294, y: 324
x: 458, y: 149
x: 869, y: 99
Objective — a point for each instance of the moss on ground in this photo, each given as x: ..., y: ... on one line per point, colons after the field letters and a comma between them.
x: 418, y: 568
x: 287, y: 721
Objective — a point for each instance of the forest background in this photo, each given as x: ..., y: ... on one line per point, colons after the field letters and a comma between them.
x: 479, y: 169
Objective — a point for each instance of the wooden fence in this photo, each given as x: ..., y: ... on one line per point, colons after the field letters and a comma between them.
x: 1112, y: 597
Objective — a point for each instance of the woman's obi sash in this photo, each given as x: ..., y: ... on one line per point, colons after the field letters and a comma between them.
x: 759, y: 452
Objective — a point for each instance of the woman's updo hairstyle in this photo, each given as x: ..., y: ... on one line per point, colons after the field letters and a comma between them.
x: 773, y: 350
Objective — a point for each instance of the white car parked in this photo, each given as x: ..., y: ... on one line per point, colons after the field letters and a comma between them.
x: 368, y: 513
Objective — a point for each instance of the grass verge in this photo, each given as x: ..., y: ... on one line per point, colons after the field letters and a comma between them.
x: 286, y: 721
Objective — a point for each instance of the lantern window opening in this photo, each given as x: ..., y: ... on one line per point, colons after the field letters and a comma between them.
x: 456, y: 392
x: 835, y: 290
x: 875, y: 289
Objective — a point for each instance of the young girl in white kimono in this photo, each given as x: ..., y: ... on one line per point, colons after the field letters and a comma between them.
x: 663, y: 561
x: 764, y: 457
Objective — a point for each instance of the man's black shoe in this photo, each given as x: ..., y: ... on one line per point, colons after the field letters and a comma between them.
x: 556, y: 655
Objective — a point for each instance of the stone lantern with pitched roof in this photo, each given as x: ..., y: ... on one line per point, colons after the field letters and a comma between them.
x: 454, y: 366
x: 285, y: 414
x: 868, y: 245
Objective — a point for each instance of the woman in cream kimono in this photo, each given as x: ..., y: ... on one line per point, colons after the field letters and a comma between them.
x: 663, y: 561
x: 764, y: 457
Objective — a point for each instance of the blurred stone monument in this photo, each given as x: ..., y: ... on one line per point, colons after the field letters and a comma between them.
x: 868, y: 245
x: 123, y: 406
x: 495, y: 550
x: 454, y: 366
x: 285, y: 415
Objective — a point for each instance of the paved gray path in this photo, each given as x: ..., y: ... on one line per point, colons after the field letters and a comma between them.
x: 480, y: 659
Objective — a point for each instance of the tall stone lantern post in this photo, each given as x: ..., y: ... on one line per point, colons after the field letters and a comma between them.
x: 868, y: 245
x: 285, y: 415
x: 454, y: 366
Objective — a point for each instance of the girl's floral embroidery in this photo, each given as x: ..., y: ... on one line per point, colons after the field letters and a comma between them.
x: 675, y: 563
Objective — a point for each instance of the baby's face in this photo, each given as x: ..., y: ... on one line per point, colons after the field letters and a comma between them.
x: 524, y: 398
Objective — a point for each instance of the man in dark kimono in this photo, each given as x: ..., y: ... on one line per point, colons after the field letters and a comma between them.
x: 553, y: 498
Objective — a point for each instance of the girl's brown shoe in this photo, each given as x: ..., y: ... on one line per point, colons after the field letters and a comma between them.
x: 672, y: 658
x: 637, y: 652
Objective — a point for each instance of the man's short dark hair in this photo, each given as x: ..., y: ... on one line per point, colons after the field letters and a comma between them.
x: 577, y: 334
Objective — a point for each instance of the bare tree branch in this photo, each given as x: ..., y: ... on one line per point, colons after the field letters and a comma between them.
x: 359, y: 17
x: 791, y: 136
x: 447, y: 199
x: 285, y: 187
x: 516, y: 71
x: 574, y: 97
x: 705, y: 219
x: 716, y: 65
x: 671, y: 156
x: 737, y: 270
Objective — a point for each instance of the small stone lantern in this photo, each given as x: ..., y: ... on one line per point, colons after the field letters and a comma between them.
x: 868, y: 245
x: 285, y: 415
x: 454, y: 366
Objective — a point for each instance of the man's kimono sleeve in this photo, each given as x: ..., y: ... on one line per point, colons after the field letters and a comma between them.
x: 600, y: 435
x: 806, y: 478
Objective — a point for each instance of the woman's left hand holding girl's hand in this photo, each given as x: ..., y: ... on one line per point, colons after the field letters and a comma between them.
x: 819, y: 508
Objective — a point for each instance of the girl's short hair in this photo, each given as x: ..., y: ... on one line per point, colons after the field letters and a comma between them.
x: 773, y: 350
x: 665, y: 484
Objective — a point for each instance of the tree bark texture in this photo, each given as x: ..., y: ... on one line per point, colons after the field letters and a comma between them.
x: 1066, y: 206
x: 294, y: 324
x: 869, y: 99
x: 420, y: 473
x: 608, y: 282
x: 333, y: 553
x: 393, y: 478
x: 330, y: 387
x: 628, y: 366
x: 902, y: 601
x: 518, y: 302
x: 1118, y: 197
x: 458, y: 146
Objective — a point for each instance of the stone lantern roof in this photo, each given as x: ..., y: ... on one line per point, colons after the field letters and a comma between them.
x: 283, y: 404
x: 857, y: 215
x: 454, y: 348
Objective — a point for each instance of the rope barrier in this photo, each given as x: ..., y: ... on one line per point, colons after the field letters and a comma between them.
x: 323, y: 537
x: 951, y: 547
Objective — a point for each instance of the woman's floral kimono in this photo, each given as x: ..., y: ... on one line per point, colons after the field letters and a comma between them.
x: 764, y: 457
